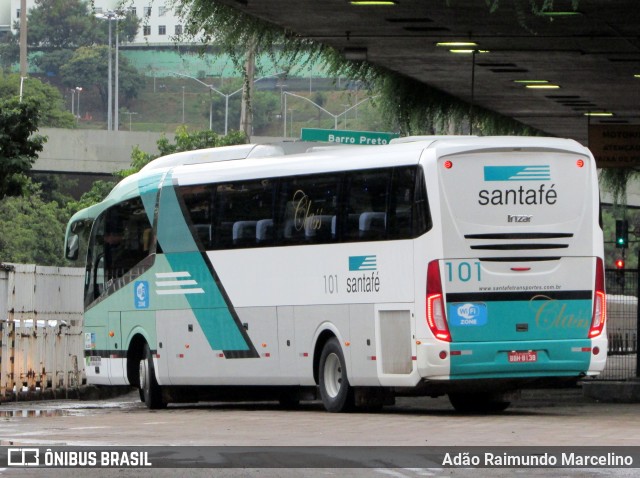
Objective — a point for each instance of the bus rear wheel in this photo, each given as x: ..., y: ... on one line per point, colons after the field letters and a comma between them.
x: 336, y: 393
x: 150, y: 391
x: 478, y: 402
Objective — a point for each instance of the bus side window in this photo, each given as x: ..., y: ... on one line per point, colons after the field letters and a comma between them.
x: 421, y: 215
x: 401, y: 202
x: 198, y: 203
x: 365, y: 218
x: 306, y: 208
x: 243, y: 212
x: 124, y: 237
x: 94, y: 275
x: 120, y: 240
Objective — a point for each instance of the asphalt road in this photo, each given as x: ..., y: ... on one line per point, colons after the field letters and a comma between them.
x: 544, y: 419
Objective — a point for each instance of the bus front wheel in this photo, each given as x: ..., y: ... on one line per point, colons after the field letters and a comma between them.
x: 150, y: 391
x: 336, y: 393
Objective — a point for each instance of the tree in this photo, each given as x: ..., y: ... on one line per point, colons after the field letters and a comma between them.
x: 19, y: 146
x: 51, y: 61
x: 51, y: 109
x: 265, y: 105
x: 72, y: 23
x: 31, y: 229
x: 89, y: 66
x: 63, y: 24
x: 9, y: 51
x: 99, y: 190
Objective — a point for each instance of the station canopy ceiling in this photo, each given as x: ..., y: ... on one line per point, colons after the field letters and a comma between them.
x: 592, y: 55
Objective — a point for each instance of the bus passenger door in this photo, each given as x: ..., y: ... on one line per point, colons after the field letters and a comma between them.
x: 117, y: 355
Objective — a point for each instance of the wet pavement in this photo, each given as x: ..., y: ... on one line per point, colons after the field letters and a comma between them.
x: 546, y: 418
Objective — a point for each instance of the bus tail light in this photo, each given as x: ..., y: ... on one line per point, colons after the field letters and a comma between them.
x: 436, y: 317
x: 599, y: 302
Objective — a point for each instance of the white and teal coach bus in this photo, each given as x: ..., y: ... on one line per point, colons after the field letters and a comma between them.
x: 467, y: 266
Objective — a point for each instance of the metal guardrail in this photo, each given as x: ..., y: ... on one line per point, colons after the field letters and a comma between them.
x: 622, y: 325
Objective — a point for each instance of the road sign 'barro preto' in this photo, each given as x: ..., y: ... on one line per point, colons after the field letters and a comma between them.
x: 346, y: 137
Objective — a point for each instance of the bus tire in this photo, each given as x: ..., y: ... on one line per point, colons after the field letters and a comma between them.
x: 478, y: 402
x: 336, y: 393
x: 150, y: 391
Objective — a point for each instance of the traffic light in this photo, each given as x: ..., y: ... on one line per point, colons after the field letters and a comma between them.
x: 622, y: 234
x: 619, y: 263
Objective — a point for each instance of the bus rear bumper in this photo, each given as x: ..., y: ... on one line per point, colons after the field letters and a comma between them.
x: 517, y: 359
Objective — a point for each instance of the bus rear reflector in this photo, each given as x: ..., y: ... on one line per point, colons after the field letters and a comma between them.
x: 436, y: 317
x: 599, y: 302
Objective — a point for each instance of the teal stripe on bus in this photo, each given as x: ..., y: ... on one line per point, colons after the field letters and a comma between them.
x: 210, y: 306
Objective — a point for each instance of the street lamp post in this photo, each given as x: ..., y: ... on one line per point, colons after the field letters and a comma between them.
x: 335, y: 117
x: 78, y: 89
x: 284, y: 115
x: 73, y: 102
x: 226, y: 98
x: 291, y: 123
x: 109, y: 16
x: 110, y: 92
x: 130, y: 113
x: 116, y: 120
x: 22, y: 78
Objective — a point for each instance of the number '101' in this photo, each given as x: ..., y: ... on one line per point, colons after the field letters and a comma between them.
x: 464, y: 272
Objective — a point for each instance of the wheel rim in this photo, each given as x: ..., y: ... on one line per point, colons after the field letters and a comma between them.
x: 332, y: 375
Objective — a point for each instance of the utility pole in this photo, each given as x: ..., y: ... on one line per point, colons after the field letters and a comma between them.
x: 23, y: 38
x: 116, y: 107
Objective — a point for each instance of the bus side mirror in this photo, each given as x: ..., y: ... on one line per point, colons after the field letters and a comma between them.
x: 72, y: 248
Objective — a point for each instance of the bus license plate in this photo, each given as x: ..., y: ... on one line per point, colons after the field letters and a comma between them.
x: 523, y: 357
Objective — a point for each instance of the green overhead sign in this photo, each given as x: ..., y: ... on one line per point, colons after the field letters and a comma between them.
x: 346, y: 137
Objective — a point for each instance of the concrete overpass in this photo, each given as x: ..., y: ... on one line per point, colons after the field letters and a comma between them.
x: 91, y: 152
x: 592, y: 55
x: 97, y: 152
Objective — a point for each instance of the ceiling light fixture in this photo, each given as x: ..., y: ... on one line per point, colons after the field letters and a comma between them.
x: 531, y: 82
x: 546, y: 86
x: 456, y: 43
x: 372, y: 2
x: 599, y: 113
x: 467, y: 51
x: 570, y: 13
